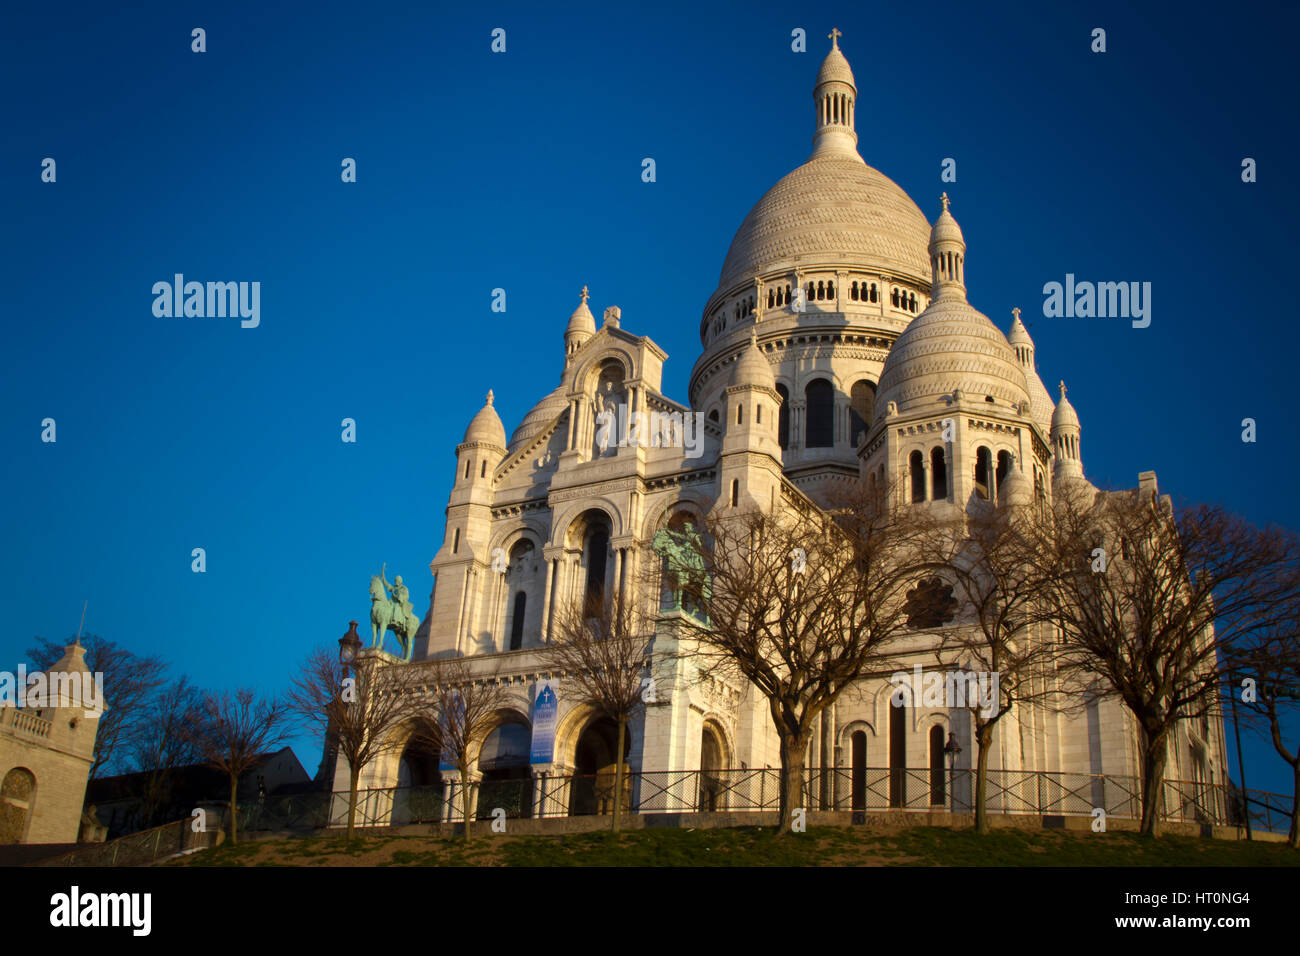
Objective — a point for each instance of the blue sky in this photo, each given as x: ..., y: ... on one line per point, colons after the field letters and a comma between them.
x: 522, y: 171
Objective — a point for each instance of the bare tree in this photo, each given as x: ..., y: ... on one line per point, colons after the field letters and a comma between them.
x: 232, y: 732
x: 1266, y: 680
x: 800, y: 602
x: 988, y: 553
x: 1148, y: 600
x: 603, y: 650
x: 130, y: 681
x: 465, y: 709
x: 162, y: 745
x: 365, y: 709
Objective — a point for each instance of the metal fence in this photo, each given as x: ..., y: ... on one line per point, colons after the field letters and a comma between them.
x: 861, y: 790
x: 137, y: 849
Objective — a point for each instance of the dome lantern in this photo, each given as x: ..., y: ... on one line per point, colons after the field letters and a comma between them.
x: 835, y: 95
x: 947, y: 256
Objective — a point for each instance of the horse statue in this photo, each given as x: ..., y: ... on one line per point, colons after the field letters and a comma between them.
x: 395, y: 616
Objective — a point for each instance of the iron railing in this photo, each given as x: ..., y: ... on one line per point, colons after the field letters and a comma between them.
x: 138, y: 849
x: 861, y: 790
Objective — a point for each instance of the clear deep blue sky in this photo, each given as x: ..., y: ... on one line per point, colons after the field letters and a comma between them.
x: 523, y: 171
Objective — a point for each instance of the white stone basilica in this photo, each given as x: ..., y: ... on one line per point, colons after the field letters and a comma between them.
x: 836, y: 345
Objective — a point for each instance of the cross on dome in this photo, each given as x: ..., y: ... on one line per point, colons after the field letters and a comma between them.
x: 1015, y: 313
x: 944, y: 199
x: 489, y: 396
x: 1063, y: 388
x: 585, y: 294
x: 834, y: 37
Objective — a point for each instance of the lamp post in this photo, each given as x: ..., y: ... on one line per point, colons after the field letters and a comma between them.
x: 952, y: 749
x: 349, y: 645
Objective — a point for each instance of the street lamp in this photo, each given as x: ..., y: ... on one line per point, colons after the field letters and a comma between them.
x: 952, y: 749
x: 349, y: 644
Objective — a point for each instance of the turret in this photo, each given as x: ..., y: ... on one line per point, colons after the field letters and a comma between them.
x: 835, y: 96
x: 1065, y: 440
x: 947, y: 256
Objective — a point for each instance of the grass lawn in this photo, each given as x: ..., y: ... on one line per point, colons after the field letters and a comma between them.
x: 753, y: 846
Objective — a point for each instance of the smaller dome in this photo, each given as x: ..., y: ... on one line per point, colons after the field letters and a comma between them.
x: 582, y: 321
x: 945, y: 228
x: 541, y: 415
x: 1019, y: 335
x: 751, y: 368
x: 835, y: 68
x: 1065, y: 416
x: 486, y: 427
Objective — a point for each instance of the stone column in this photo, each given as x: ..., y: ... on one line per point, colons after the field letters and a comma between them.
x: 548, y: 595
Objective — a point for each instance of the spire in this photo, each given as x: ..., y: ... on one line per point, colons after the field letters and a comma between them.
x: 581, y: 327
x: 947, y: 256
x: 1021, y: 342
x: 835, y: 95
x: 1065, y: 440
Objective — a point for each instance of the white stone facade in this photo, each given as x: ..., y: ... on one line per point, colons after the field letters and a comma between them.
x: 839, y: 344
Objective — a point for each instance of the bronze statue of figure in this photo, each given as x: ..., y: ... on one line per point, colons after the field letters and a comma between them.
x: 394, y: 615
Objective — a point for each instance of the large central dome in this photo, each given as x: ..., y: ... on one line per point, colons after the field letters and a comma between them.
x: 832, y: 209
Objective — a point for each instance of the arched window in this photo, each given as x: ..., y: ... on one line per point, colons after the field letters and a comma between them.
x: 17, y: 794
x: 853, y: 292
x: 915, y: 463
x: 862, y: 407
x: 758, y: 414
x: 938, y: 475
x: 517, y: 621
x: 911, y: 302
x: 735, y: 492
x: 595, y: 556
x: 482, y: 472
x: 821, y: 414
x: 858, y: 747
x: 830, y: 290
x: 783, y: 417
x: 468, y: 462
x: 713, y: 415
x: 937, y: 795
x: 983, y: 471
x: 740, y: 413
x: 455, y: 541
x: 821, y: 291
x: 893, y: 298
x: 875, y: 297
x: 1004, y: 469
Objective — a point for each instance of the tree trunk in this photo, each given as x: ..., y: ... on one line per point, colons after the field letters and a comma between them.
x: 354, y: 778
x: 793, y: 749
x: 234, y: 808
x: 1293, y: 838
x: 618, y: 770
x: 984, y: 743
x: 464, y: 799
x: 1153, y: 776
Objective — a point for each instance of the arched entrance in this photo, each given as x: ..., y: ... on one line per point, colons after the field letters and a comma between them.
x: 711, y: 796
x: 418, y: 798
x: 17, y: 793
x: 507, y: 782
x: 594, y: 757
